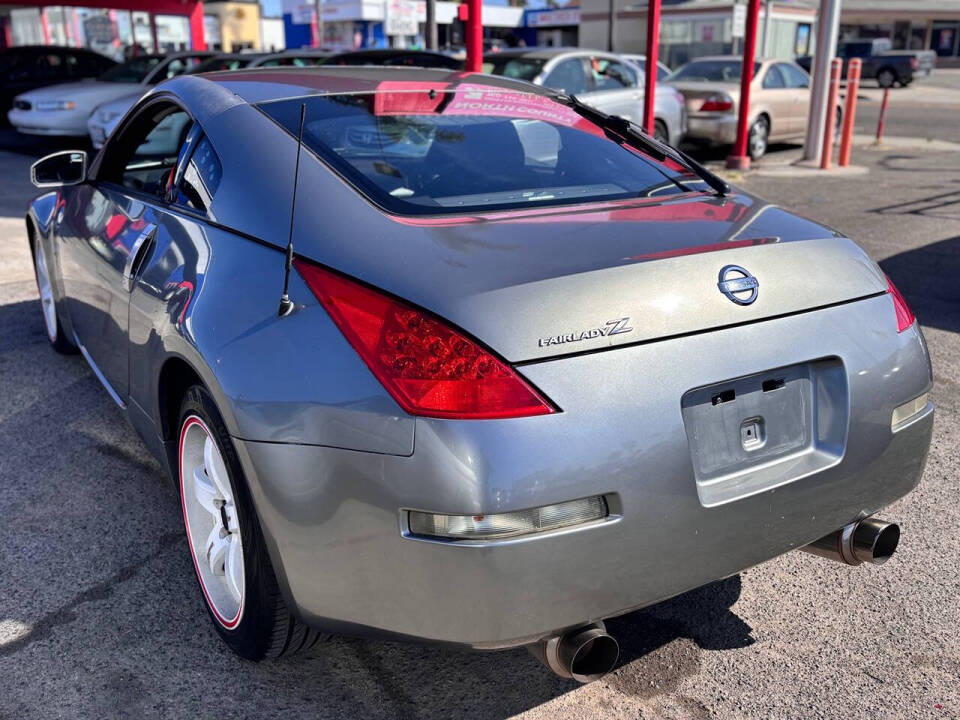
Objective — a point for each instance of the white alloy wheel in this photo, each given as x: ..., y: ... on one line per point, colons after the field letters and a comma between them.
x: 210, y: 516
x: 46, y: 291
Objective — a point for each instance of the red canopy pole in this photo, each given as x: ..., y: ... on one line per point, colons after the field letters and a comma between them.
x: 739, y: 160
x: 474, y: 37
x: 653, y: 43
x: 198, y: 38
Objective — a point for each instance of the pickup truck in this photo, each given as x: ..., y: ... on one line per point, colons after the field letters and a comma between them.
x: 888, y: 67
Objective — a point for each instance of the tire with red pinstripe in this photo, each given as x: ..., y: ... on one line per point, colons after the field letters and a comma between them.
x: 236, y: 578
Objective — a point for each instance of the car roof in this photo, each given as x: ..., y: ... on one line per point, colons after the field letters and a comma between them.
x: 257, y: 85
x: 738, y: 58
x: 541, y: 53
x: 387, y: 52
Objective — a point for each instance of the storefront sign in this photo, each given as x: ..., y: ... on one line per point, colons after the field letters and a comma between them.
x: 400, y: 17
x: 553, y: 18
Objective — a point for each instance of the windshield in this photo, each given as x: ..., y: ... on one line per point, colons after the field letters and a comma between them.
x: 132, y: 71
x: 519, y: 68
x: 472, y: 148
x: 726, y: 71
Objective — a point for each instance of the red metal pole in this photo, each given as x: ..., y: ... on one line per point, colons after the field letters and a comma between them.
x: 198, y: 38
x: 830, y: 121
x: 474, y: 37
x: 850, y: 111
x: 883, y: 114
x: 650, y: 84
x: 739, y: 160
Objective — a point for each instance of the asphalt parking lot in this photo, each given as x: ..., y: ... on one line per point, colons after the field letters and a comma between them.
x: 100, y: 615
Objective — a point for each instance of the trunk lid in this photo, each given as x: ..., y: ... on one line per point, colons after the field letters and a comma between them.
x: 537, y: 284
x: 695, y: 93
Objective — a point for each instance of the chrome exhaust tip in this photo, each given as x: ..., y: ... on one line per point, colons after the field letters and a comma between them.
x: 584, y: 654
x: 870, y: 540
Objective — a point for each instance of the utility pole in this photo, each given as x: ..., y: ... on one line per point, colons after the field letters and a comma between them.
x: 828, y: 27
x: 318, y: 11
x: 766, y: 28
x: 432, y: 40
x: 612, y: 26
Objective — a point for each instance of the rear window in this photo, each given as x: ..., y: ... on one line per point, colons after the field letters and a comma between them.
x: 712, y: 71
x: 518, y: 68
x: 473, y: 148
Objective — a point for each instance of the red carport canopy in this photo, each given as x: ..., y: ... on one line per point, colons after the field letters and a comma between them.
x: 193, y: 9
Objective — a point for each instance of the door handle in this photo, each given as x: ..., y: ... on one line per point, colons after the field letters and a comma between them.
x: 136, y: 253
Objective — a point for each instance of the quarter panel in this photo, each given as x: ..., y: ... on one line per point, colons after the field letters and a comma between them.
x: 210, y: 297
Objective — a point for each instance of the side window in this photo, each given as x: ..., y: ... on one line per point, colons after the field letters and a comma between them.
x: 611, y: 75
x: 201, y: 178
x: 568, y: 77
x: 794, y: 76
x: 144, y: 156
x: 50, y: 66
x: 662, y: 72
x: 773, y: 79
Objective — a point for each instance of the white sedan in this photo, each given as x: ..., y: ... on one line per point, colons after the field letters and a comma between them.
x: 105, y: 117
x: 64, y: 109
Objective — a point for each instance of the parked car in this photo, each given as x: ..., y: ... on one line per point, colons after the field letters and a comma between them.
x: 105, y: 117
x: 64, y: 109
x: 604, y: 80
x: 396, y: 58
x: 481, y: 366
x: 888, y: 67
x: 641, y: 62
x: 34, y: 66
x: 779, y: 101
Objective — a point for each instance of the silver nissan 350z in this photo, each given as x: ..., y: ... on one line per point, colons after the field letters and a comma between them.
x: 454, y: 358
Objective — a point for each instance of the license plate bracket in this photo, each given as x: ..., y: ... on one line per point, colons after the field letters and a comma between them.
x: 760, y: 431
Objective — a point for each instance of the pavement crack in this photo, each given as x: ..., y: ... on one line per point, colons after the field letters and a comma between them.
x: 66, y: 614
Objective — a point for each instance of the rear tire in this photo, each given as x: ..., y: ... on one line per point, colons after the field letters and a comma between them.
x: 660, y: 131
x: 48, y: 303
x: 758, y: 138
x: 233, y: 568
x: 886, y: 77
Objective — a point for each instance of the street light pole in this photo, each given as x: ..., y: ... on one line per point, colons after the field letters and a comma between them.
x: 828, y: 27
x: 766, y: 28
x: 611, y: 26
x: 318, y: 12
x: 432, y: 40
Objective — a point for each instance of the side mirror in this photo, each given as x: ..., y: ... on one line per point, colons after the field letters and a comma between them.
x: 63, y: 168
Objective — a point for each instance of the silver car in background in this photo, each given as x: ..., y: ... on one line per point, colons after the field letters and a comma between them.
x: 64, y: 109
x: 105, y: 117
x: 606, y: 81
x: 475, y: 364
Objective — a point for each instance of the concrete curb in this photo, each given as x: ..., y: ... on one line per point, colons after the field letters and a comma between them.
x: 893, y: 142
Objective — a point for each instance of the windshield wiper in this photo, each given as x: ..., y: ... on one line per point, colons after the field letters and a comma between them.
x: 632, y: 134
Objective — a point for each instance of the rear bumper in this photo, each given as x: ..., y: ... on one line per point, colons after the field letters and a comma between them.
x: 716, y: 129
x: 333, y: 518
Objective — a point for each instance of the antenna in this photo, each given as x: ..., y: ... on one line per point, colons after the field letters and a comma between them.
x: 286, y: 304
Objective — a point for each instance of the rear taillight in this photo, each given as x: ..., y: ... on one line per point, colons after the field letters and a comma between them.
x: 905, y: 316
x: 717, y: 103
x: 429, y: 368
x: 914, y: 63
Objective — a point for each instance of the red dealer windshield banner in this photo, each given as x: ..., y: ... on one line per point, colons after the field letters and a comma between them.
x: 415, y: 98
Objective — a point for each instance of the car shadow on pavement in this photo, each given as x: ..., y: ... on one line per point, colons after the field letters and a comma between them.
x: 97, y: 570
x: 929, y: 279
